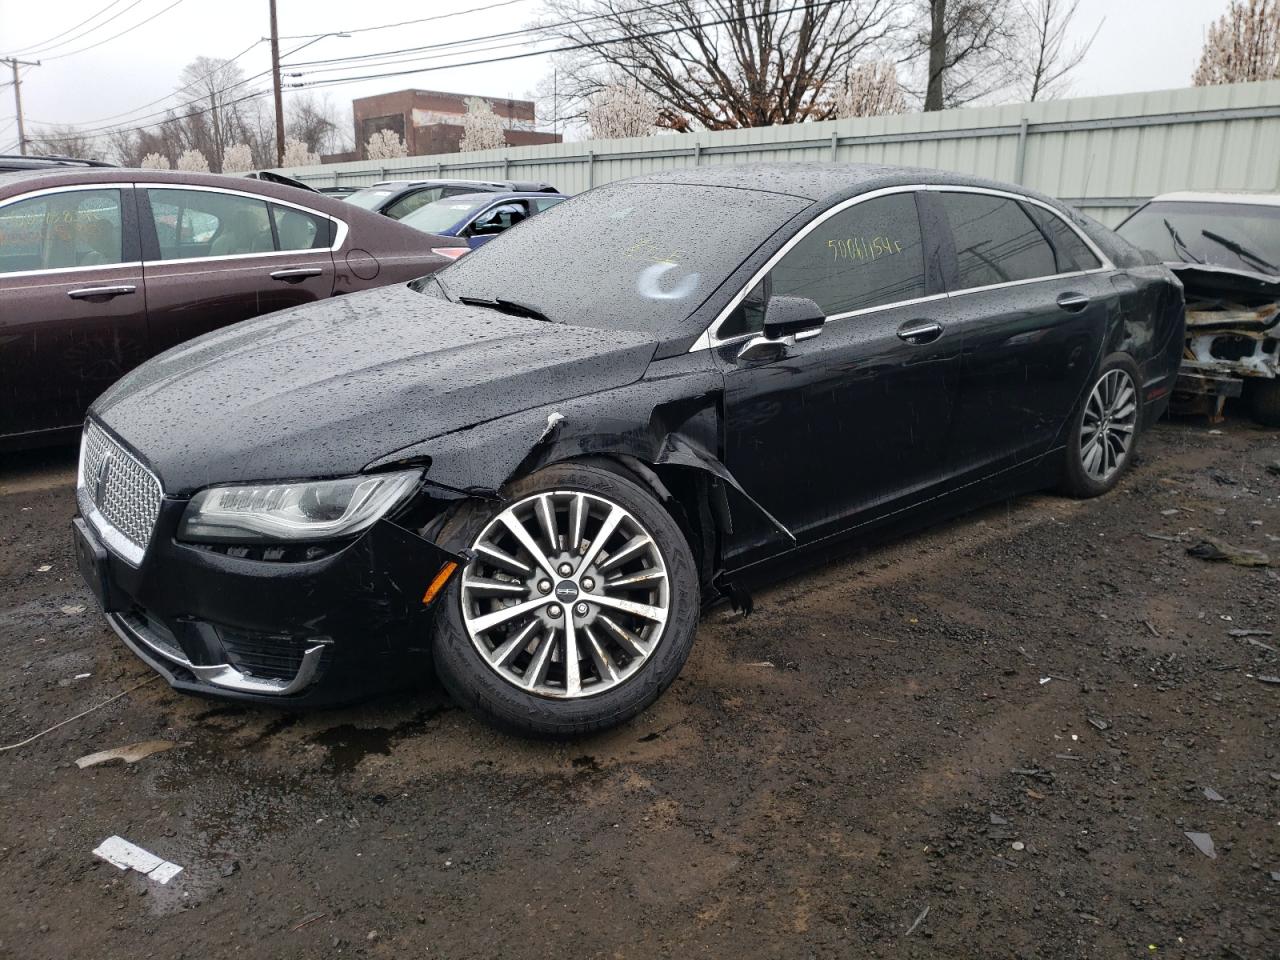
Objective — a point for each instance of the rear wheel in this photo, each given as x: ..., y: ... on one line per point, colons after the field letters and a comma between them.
x: 577, y: 608
x: 1104, y: 432
x: 1264, y: 401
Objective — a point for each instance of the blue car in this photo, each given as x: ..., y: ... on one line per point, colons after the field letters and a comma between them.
x: 477, y: 218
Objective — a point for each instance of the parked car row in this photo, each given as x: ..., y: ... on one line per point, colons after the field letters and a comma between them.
x: 534, y: 467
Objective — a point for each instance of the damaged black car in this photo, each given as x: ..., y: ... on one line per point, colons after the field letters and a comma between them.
x: 534, y: 469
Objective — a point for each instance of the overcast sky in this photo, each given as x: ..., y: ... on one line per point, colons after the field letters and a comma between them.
x: 1142, y: 45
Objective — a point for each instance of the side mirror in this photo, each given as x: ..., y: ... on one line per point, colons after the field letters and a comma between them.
x: 786, y: 321
x: 792, y: 317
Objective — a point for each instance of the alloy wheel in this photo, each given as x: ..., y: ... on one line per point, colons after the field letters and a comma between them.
x: 1110, y: 418
x: 566, y: 594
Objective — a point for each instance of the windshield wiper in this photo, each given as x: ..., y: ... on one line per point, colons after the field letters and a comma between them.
x: 511, y: 307
x: 1244, y: 253
x: 1179, y: 242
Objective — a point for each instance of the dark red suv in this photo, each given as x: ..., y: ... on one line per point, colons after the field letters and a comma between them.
x: 102, y: 268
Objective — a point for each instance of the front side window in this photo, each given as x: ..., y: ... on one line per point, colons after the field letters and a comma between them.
x: 199, y: 223
x: 499, y: 219
x: 996, y: 242
x: 77, y: 228
x: 546, y: 203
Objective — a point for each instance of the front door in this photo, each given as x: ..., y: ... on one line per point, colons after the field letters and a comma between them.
x: 215, y: 258
x: 72, y: 310
x: 854, y: 422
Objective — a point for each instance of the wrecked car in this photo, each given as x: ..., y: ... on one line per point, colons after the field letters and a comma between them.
x: 535, y: 468
x: 1225, y: 248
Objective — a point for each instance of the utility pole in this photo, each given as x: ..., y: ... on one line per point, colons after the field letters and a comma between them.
x: 15, y: 63
x: 275, y: 85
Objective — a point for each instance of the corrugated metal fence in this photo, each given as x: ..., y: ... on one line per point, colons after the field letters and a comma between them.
x: 1104, y: 154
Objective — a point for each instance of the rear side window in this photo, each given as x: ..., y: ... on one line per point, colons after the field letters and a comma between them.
x: 76, y: 228
x: 299, y: 230
x: 996, y: 242
x: 545, y: 203
x: 1072, y: 253
x: 200, y: 223
x: 866, y: 256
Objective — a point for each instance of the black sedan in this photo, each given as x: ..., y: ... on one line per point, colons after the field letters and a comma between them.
x: 538, y: 466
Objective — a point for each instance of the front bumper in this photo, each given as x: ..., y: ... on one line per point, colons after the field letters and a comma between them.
x: 317, y: 632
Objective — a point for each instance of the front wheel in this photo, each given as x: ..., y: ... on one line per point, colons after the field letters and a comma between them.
x: 1103, y: 438
x: 1264, y: 401
x: 576, y: 609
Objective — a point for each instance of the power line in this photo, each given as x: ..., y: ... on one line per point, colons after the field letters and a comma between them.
x: 406, y: 23
x: 117, y: 36
x: 586, y: 45
x: 50, y: 45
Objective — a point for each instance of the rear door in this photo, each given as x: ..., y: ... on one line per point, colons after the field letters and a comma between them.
x: 214, y: 257
x: 72, y: 312
x: 1033, y: 319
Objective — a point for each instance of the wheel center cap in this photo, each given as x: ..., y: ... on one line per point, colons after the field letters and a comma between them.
x: 566, y: 591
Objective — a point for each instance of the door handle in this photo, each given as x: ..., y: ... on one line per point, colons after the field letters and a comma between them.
x: 920, y: 332
x: 1073, y: 302
x: 292, y: 274
x: 106, y: 293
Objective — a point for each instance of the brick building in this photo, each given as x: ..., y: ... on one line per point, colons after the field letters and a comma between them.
x: 430, y: 121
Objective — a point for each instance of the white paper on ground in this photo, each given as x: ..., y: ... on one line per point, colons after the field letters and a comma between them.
x: 119, y: 852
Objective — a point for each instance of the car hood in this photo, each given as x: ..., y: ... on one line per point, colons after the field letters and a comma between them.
x: 1209, y: 279
x: 325, y: 389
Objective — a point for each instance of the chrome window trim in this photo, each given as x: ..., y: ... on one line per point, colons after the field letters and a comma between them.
x: 708, y: 339
x: 69, y: 188
x: 341, y: 228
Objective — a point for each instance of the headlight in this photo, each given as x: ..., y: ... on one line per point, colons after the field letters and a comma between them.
x: 316, y: 510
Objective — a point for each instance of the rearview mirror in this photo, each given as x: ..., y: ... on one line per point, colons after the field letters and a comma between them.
x: 792, y: 317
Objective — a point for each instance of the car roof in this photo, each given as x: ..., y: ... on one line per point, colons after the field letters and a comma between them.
x: 1209, y: 196
x: 25, y: 180
x: 401, y: 184
x: 828, y: 181
x: 497, y: 196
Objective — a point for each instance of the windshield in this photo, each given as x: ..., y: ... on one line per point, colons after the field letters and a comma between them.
x: 370, y: 199
x: 1241, y: 236
x: 632, y: 256
x: 442, y: 214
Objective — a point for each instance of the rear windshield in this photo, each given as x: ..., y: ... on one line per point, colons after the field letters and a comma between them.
x: 633, y: 256
x: 1241, y: 236
x: 370, y: 199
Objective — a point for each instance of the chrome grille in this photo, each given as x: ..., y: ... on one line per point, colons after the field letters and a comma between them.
x: 117, y: 493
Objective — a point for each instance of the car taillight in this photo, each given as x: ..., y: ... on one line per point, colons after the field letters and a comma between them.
x: 453, y: 253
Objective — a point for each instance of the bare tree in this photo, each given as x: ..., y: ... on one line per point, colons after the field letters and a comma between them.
x: 1044, y: 57
x: 621, y: 110
x: 1243, y: 45
x: 966, y: 48
x: 871, y: 90
x: 67, y: 141
x: 385, y: 145
x: 720, y: 64
x: 481, y: 128
x: 211, y: 88
x: 314, y: 121
x: 237, y: 158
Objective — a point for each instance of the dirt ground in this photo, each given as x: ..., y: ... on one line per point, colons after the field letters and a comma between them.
x: 1009, y: 722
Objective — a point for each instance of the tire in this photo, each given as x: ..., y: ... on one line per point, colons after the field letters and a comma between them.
x: 618, y: 675
x: 1264, y: 401
x: 1092, y: 472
